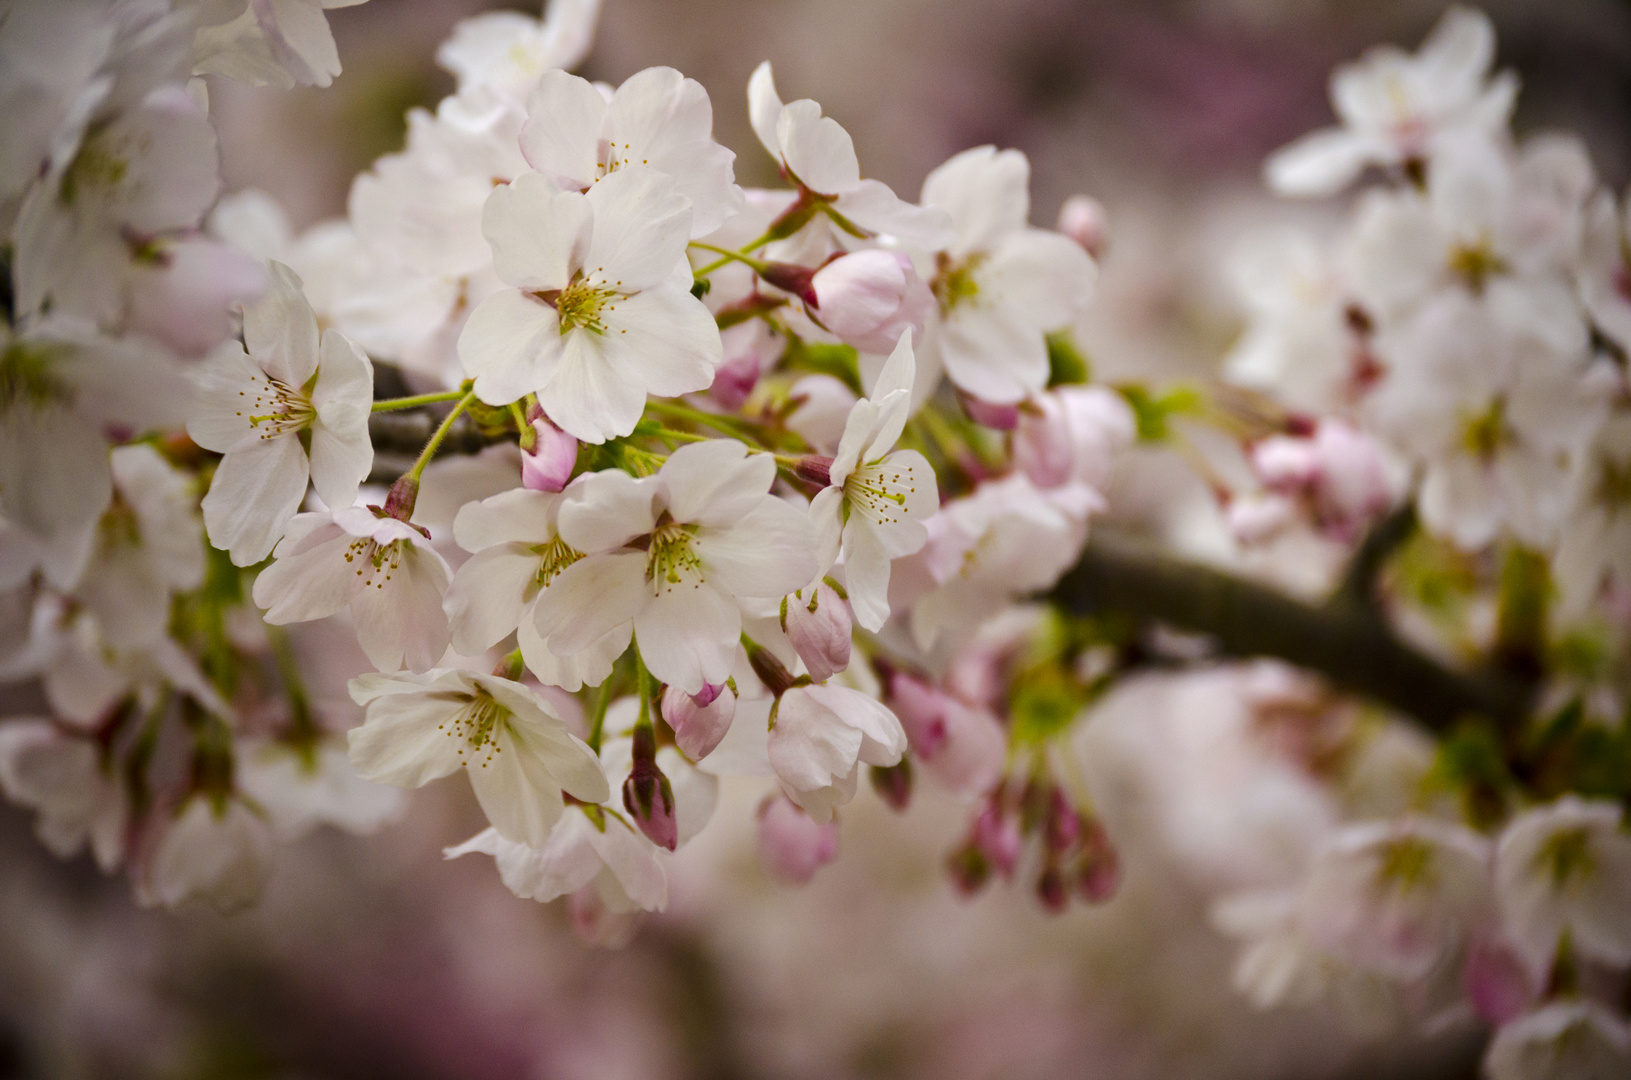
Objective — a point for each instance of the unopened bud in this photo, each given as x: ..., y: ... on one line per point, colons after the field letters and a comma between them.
x: 968, y: 869
x: 1050, y: 889
x: 1098, y: 875
x: 549, y: 464
x: 794, y: 279
x: 699, y: 721
x: 893, y: 783
x: 922, y: 712
x: 771, y: 671
x: 735, y: 379
x: 869, y: 298
x: 1044, y: 449
x: 400, y: 500
x: 997, y: 836
x: 647, y: 795
x: 816, y: 468
x: 791, y: 846
x: 984, y: 413
x: 819, y: 626
x: 1062, y: 828
x: 1082, y: 218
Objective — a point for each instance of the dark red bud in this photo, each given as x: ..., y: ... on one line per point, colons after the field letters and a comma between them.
x: 815, y: 468
x: 790, y: 277
x: 893, y: 783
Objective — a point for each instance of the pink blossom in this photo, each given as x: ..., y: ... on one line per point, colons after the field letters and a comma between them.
x: 791, y: 846
x: 1082, y: 218
x: 699, y: 720
x: 819, y: 628
x: 869, y: 298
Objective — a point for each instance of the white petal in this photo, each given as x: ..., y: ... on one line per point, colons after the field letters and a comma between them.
x: 562, y: 132
x: 642, y: 225
x: 607, y: 509
x: 489, y: 594
x: 589, y: 599
x: 515, y: 789
x: 591, y: 394
x: 817, y: 149
x: 400, y: 621
x: 341, y: 452
x: 517, y: 516
x: 1320, y: 163
x: 873, y: 206
x: 986, y: 192
x: 666, y: 340
x: 540, y: 236
x: 510, y: 345
x: 280, y: 329
x: 765, y: 109
x: 715, y: 482
x: 255, y: 492
x: 767, y: 553
x: 688, y: 636
x: 406, y: 740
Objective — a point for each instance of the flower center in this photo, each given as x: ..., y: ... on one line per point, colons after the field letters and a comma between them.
x: 670, y: 562
x: 1407, y: 863
x: 1484, y: 434
x: 879, y: 490
x: 1476, y: 262
x: 1566, y: 858
x: 954, y: 280
x: 275, y: 408
x: 374, y: 562
x: 581, y: 304
x: 96, y: 165
x: 554, y: 557
x: 475, y: 726
x: 26, y: 377
x: 612, y: 157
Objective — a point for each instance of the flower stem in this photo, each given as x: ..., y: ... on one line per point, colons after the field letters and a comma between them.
x: 727, y: 255
x: 643, y: 682
x: 726, y: 424
x: 597, y: 724
x: 438, y: 435
x: 391, y: 404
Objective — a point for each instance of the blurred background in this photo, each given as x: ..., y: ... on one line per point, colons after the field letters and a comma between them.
x: 373, y: 958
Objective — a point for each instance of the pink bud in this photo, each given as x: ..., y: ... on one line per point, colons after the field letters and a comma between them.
x: 735, y: 379
x: 819, y: 628
x: 1099, y: 873
x: 647, y: 795
x: 1284, y: 463
x: 1061, y: 829
x: 1050, y: 889
x: 791, y: 846
x: 999, y: 417
x: 1082, y: 218
x: 922, y: 712
x: 1256, y: 519
x: 549, y: 464
x: 699, y: 721
x: 869, y: 298
x: 1495, y: 983
x: 1043, y: 447
x: 1354, y: 486
x: 998, y: 838
x: 893, y: 783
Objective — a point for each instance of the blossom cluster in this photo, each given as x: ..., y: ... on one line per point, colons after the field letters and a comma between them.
x: 689, y: 484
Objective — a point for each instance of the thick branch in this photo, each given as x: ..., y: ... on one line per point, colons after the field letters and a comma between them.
x: 1346, y: 642
x: 399, y: 436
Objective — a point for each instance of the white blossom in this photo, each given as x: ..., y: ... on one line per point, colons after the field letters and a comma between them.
x: 821, y: 735
x: 601, y: 313
x: 1565, y: 1040
x: 517, y: 752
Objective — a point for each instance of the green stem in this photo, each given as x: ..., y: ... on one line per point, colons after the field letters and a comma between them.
x: 597, y: 724
x: 726, y: 424
x: 643, y: 682
x: 391, y: 404
x: 730, y: 256
x: 438, y: 435
x: 727, y: 255
x: 303, y: 730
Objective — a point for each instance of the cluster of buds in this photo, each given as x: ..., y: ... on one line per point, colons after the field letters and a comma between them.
x: 1075, y: 852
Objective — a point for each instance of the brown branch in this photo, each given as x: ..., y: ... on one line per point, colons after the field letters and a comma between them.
x: 1348, y: 643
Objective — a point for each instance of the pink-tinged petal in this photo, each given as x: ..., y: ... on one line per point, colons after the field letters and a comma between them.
x: 399, y: 619
x: 405, y: 741
x: 993, y: 355
x: 517, y: 516
x: 810, y: 747
x: 632, y: 862
x: 587, y: 667
x: 1320, y: 163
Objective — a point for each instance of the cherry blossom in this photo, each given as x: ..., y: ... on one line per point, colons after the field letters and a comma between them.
x: 587, y: 270
x: 262, y: 407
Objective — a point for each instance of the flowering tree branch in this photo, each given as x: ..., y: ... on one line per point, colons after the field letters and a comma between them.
x: 1348, y: 642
